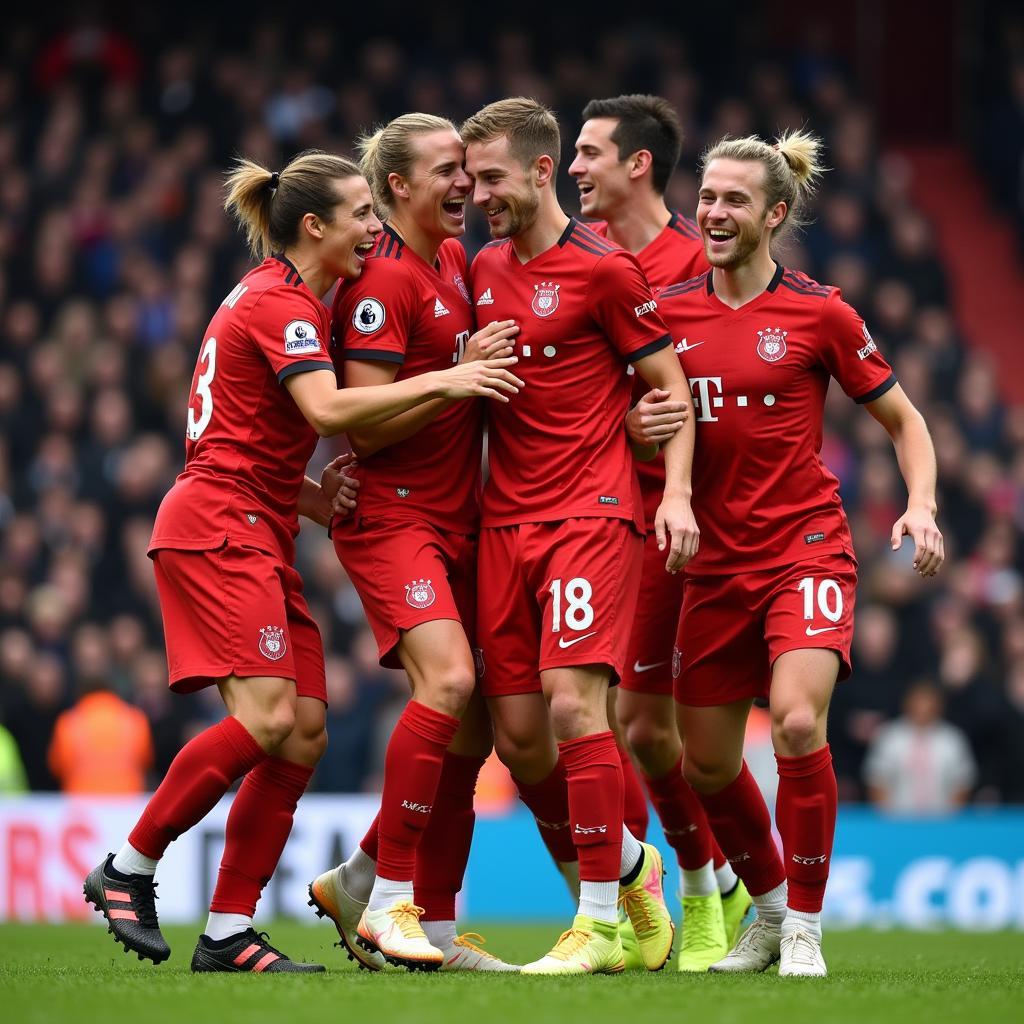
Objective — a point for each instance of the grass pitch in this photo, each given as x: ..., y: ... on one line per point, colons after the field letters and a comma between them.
x: 72, y: 973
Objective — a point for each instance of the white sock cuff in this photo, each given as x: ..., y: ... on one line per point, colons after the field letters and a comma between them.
x: 129, y: 861
x: 701, y: 882
x: 632, y: 851
x: 599, y: 900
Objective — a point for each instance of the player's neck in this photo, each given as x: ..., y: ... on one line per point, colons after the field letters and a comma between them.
x: 639, y: 222
x: 544, y: 232
x: 318, y: 280
x: 425, y: 246
x: 736, y: 286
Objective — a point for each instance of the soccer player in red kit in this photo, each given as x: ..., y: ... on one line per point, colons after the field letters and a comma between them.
x: 223, y: 545
x: 561, y: 543
x: 625, y: 154
x: 768, y: 602
x: 410, y: 551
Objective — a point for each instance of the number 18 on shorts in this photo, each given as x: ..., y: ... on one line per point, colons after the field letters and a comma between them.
x: 555, y: 594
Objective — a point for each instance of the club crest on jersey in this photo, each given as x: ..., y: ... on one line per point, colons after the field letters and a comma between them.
x: 300, y: 338
x: 677, y: 662
x: 545, y: 298
x: 272, y: 643
x: 461, y: 285
x: 420, y: 594
x: 368, y: 316
x: 771, y: 346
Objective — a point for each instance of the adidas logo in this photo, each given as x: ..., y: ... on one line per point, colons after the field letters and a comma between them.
x: 439, y: 309
x: 486, y: 299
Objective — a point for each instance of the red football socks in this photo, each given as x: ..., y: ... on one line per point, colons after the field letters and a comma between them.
x: 593, y: 772
x: 412, y: 767
x: 443, y: 853
x: 805, y: 811
x: 548, y: 801
x: 682, y: 817
x: 739, y: 819
x: 635, y: 812
x: 257, y: 829
x: 198, y: 777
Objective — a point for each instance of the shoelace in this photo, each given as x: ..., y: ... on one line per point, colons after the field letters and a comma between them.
x: 697, y: 932
x: 636, y: 906
x: 804, y: 949
x: 469, y: 941
x: 264, y: 940
x: 142, y: 889
x: 751, y: 936
x: 407, y: 916
x: 569, y: 942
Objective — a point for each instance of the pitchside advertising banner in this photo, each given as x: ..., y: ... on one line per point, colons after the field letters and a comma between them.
x: 964, y: 872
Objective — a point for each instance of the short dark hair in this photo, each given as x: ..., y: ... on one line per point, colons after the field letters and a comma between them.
x: 645, y: 122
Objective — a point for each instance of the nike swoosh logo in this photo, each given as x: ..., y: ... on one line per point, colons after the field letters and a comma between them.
x: 815, y: 632
x: 637, y: 667
x: 683, y: 347
x: 563, y: 643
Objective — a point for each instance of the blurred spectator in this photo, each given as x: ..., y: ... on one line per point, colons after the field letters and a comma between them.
x: 919, y: 764
x: 101, y: 745
x: 12, y: 772
x: 31, y: 712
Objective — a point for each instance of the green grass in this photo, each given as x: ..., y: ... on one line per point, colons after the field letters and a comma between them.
x: 75, y: 973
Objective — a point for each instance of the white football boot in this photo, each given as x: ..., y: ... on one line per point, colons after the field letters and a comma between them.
x: 800, y: 955
x: 757, y: 950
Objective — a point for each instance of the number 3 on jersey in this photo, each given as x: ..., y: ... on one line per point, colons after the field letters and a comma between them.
x: 579, y: 613
x: 196, y: 425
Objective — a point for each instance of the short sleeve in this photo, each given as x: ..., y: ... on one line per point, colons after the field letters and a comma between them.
x: 850, y: 354
x: 289, y: 327
x: 623, y: 305
x: 374, y: 315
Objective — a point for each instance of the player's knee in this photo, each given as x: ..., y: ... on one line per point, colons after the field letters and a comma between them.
x: 650, y: 740
x: 796, y: 731
x: 705, y: 774
x: 449, y: 691
x: 574, y: 715
x: 519, y: 752
x: 276, y: 724
x: 314, y: 746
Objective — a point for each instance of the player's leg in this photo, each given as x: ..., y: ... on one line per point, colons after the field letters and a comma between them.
x: 810, y: 629
x: 805, y: 810
x: 220, y: 610
x: 263, y: 810
x: 635, y: 812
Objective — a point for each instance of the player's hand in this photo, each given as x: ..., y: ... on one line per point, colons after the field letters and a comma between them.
x: 489, y: 378
x: 654, y: 419
x: 919, y: 524
x: 676, y: 529
x: 338, y: 487
x: 491, y: 342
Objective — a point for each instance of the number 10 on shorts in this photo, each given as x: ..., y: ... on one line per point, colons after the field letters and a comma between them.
x: 579, y: 613
x: 829, y: 598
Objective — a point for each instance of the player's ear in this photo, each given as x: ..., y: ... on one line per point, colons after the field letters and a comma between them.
x: 543, y: 167
x: 639, y: 162
x: 398, y: 185
x: 776, y: 215
x: 311, y: 225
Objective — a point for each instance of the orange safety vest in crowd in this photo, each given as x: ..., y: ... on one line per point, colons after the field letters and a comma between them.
x: 101, y: 746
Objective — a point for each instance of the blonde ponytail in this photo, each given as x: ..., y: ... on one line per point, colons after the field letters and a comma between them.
x: 249, y: 195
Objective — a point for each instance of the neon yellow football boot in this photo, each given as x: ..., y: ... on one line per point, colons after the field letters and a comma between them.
x: 734, y: 909
x: 644, y: 902
x: 588, y: 947
x: 703, y: 940
x: 630, y: 947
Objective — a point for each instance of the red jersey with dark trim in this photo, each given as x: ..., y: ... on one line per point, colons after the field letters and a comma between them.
x: 676, y: 254
x: 558, y: 449
x: 759, y: 375
x: 401, y: 310
x: 246, y: 442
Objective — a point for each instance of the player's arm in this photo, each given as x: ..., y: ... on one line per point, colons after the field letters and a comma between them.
x: 332, y: 411
x: 493, y: 340
x: 916, y: 457
x: 675, y: 518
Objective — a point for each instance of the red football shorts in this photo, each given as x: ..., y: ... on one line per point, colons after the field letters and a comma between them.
x: 407, y: 573
x: 552, y: 594
x: 236, y: 611
x: 732, y: 628
x: 649, y: 655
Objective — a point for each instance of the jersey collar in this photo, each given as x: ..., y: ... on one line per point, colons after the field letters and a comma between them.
x: 772, y: 284
x: 281, y: 258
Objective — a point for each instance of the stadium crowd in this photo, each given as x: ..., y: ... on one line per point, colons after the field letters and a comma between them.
x: 114, y: 251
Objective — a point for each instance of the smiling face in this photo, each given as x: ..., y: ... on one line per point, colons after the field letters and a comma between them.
x: 435, y: 190
x: 348, y: 239
x: 732, y: 212
x: 504, y: 189
x: 602, y: 178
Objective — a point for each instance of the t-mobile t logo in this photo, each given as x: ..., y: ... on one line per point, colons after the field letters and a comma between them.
x: 703, y: 400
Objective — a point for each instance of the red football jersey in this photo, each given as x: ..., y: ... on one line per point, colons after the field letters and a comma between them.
x: 558, y: 450
x: 676, y: 254
x: 759, y: 374
x: 247, y: 444
x: 402, y: 310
